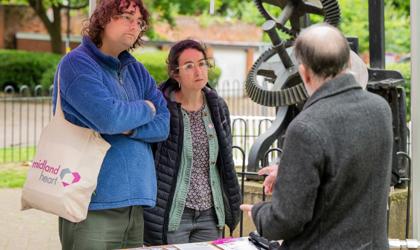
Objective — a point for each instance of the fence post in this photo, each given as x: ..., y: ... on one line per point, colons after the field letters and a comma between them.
x: 415, y: 114
x: 8, y: 90
x: 241, y: 222
x: 23, y: 92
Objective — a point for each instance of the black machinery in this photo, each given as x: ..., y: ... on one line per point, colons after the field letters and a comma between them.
x: 274, y: 80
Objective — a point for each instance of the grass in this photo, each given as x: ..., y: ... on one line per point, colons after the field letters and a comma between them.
x: 16, y: 154
x: 12, y: 175
x: 12, y: 171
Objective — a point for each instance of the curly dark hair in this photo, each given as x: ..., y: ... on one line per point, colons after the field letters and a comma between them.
x: 176, y: 51
x: 107, y: 9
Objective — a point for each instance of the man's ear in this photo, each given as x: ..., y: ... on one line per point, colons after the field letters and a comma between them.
x: 304, y: 74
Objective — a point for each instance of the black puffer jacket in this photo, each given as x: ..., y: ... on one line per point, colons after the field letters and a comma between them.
x: 167, y: 160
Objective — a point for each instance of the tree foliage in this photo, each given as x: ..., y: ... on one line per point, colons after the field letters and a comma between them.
x: 401, y: 5
x: 53, y: 23
x: 354, y: 17
x: 167, y: 9
x: 355, y: 22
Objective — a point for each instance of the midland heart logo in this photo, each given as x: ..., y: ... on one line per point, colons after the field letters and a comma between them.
x: 50, y: 174
x: 68, y: 177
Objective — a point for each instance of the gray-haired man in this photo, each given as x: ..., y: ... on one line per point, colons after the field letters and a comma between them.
x: 333, y: 179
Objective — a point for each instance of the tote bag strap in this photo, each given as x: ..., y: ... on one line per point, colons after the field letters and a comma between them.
x: 58, y: 109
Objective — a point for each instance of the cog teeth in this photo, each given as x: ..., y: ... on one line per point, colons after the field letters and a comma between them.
x: 331, y: 11
x: 265, y: 96
x: 289, y: 96
x: 302, y: 93
x: 294, y: 93
x: 283, y: 96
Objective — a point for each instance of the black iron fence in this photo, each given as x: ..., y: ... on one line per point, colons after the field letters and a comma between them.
x: 24, y: 112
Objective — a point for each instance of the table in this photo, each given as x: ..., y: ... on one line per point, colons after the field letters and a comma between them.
x: 241, y: 243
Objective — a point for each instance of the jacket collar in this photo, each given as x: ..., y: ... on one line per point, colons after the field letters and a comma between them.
x: 124, y: 58
x: 339, y: 84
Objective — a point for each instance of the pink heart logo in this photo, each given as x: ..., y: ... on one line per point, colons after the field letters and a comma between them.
x: 68, y: 177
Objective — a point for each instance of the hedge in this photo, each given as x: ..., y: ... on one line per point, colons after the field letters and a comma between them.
x: 19, y: 68
x: 155, y: 63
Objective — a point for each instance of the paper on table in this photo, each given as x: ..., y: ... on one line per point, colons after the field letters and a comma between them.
x: 155, y: 248
x: 196, y: 246
x: 235, y: 244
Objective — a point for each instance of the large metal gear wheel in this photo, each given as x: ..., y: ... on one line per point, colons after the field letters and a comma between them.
x: 274, y: 79
x: 271, y: 84
x: 293, y: 10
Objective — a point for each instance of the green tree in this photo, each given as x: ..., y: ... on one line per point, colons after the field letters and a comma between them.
x: 167, y: 9
x: 354, y: 17
x: 355, y: 22
x: 52, y: 25
x: 402, y: 5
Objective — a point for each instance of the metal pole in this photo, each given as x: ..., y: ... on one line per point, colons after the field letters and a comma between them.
x: 211, y: 11
x: 92, y: 6
x: 68, y: 29
x: 415, y: 113
x: 376, y: 34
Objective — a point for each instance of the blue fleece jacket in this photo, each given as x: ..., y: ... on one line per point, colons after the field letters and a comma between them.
x: 108, y: 94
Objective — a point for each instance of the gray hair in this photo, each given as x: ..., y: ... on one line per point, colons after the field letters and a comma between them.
x: 323, y: 49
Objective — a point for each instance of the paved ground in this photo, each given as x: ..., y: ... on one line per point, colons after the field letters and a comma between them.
x: 30, y: 229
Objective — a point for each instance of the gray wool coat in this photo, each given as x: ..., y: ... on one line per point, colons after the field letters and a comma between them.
x: 334, y: 175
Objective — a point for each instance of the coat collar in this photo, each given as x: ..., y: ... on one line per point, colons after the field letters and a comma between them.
x: 339, y: 84
x: 124, y: 58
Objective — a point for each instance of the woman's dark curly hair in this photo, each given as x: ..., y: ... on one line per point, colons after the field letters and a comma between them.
x: 107, y: 9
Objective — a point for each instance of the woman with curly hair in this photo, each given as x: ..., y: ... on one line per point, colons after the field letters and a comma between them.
x: 104, y: 88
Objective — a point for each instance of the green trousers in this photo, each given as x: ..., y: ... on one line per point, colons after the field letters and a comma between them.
x: 104, y: 229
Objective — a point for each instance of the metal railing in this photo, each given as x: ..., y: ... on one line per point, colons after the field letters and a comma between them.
x: 24, y: 112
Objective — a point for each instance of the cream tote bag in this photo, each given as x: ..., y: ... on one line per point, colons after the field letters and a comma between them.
x: 64, y: 171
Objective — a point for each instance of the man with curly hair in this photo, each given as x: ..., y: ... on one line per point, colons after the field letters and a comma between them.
x: 104, y: 88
